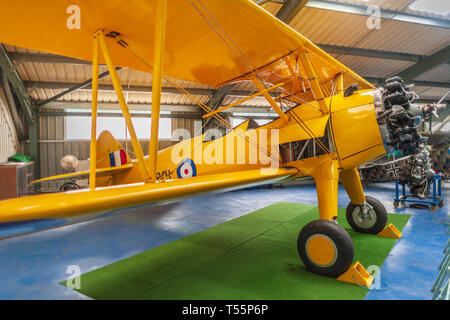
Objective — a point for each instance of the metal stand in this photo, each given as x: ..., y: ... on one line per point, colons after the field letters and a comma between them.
x: 434, y: 201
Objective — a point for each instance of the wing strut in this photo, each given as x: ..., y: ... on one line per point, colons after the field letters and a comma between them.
x: 312, y: 78
x: 99, y: 41
x: 93, y: 161
x: 242, y: 100
x: 340, y: 84
x: 160, y: 32
x: 269, y: 99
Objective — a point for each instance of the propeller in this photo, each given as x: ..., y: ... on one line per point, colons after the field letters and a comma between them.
x: 432, y: 110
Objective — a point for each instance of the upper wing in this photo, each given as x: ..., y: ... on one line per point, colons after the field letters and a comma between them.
x: 207, y: 41
x: 80, y: 202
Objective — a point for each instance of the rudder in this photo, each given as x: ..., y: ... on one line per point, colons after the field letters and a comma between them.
x: 110, y: 152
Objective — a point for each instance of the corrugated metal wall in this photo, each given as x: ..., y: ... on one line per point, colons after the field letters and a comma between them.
x: 53, y: 146
x: 193, y: 126
x: 9, y: 144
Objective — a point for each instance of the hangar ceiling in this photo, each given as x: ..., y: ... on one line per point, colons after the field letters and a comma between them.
x: 410, y: 43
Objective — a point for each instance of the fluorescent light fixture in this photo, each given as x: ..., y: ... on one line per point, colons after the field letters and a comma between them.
x: 115, y: 111
x: 431, y: 6
x: 254, y: 114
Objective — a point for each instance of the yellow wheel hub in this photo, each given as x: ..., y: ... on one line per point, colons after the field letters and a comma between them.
x: 321, y: 250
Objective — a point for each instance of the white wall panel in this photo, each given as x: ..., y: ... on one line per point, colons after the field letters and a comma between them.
x: 9, y: 143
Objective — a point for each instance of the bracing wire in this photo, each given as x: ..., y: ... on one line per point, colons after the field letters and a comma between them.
x: 206, y: 108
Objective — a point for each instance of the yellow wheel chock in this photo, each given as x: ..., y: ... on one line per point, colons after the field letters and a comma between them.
x: 358, y: 275
x: 390, y: 232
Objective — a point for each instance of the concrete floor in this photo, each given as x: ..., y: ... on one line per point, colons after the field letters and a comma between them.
x: 32, y: 266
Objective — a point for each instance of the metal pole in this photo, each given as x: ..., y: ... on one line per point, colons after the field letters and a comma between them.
x: 434, y: 189
x: 396, y: 191
x: 160, y: 31
x: 74, y: 88
x: 93, y: 157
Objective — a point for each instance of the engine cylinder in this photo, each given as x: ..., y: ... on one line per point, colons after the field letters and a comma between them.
x: 398, y: 124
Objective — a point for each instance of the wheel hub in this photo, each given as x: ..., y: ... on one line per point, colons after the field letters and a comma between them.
x: 321, y: 250
x: 364, y: 216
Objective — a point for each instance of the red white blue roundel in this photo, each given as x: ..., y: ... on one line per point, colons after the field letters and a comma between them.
x: 186, y: 169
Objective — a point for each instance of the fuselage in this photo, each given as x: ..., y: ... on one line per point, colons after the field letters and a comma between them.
x: 351, y: 129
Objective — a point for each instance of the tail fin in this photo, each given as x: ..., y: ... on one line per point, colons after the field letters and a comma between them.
x: 110, y: 152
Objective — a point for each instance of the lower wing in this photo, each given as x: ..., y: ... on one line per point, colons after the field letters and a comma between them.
x: 41, y: 209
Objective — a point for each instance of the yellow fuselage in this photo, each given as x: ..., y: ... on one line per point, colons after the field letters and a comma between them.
x: 352, y: 122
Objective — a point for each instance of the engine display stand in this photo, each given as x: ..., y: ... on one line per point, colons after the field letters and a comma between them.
x: 434, y: 201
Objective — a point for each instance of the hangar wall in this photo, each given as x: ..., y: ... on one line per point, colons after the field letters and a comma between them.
x: 9, y: 142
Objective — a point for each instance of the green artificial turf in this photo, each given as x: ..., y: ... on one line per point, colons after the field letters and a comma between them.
x: 251, y: 257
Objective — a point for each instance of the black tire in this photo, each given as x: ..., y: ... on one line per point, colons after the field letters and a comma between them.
x: 343, y: 246
x: 69, y: 186
x: 381, y: 217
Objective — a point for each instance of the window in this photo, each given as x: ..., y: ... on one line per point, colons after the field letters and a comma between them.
x: 79, y: 127
x: 237, y: 121
x: 262, y: 122
x: 431, y: 6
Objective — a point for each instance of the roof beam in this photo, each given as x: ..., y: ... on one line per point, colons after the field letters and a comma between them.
x: 138, y: 89
x: 214, y: 102
x: 385, y: 14
x: 16, y: 82
x: 426, y: 64
x: 261, y: 2
x: 20, y: 57
x: 10, y: 101
x: 197, y: 115
x: 74, y: 88
x: 290, y: 9
x: 198, y: 91
x: 144, y: 106
x: 220, y: 95
x: 77, y: 105
x: 109, y: 87
x: 389, y: 55
x: 381, y: 81
x: 135, y: 115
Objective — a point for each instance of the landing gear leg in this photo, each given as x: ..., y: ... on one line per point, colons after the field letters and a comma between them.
x: 364, y: 214
x: 323, y: 245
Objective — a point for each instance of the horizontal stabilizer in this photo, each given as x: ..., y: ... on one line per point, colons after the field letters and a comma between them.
x: 85, y: 174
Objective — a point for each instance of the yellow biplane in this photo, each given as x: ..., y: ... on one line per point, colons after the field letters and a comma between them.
x: 330, y: 119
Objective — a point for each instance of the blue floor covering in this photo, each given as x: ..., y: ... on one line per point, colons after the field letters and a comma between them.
x: 32, y: 266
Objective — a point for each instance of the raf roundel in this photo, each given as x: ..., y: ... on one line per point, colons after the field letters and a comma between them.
x: 186, y: 169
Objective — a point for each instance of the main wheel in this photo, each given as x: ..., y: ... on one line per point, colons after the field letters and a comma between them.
x: 325, y: 248
x: 371, y: 217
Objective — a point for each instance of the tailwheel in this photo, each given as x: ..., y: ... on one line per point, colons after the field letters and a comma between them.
x: 396, y: 204
x: 325, y: 248
x: 370, y: 217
